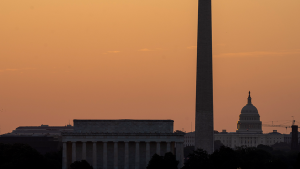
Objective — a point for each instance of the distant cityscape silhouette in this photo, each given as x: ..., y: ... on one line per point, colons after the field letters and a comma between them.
x: 155, y: 144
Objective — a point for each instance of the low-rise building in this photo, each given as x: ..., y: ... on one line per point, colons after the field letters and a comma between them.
x: 43, y: 130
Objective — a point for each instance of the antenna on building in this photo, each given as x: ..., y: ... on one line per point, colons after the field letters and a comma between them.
x: 191, y: 127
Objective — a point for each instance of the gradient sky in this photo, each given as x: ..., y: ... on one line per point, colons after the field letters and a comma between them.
x: 133, y: 59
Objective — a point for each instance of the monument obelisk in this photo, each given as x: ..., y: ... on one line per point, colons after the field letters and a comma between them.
x: 204, y: 128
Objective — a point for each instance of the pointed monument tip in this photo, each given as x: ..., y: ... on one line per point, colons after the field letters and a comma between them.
x: 249, y: 93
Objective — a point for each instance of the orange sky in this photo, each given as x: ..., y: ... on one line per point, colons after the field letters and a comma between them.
x: 133, y: 59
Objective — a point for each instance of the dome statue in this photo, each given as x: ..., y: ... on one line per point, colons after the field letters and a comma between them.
x: 249, y: 120
x: 249, y: 108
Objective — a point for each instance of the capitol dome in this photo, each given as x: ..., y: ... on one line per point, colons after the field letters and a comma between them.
x: 249, y: 120
x: 249, y: 108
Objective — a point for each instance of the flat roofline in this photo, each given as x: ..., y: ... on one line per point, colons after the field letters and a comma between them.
x: 119, y: 134
x: 45, y: 127
x: 31, y: 136
x: 120, y: 120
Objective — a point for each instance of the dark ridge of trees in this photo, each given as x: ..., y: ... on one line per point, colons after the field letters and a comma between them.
x: 282, y: 146
x: 253, y: 158
x: 199, y: 159
x: 224, y: 157
x: 297, y: 163
x: 262, y: 157
x: 54, y: 159
x: 17, y: 155
x: 265, y: 148
x: 190, y: 149
x: 20, y: 156
x: 83, y: 164
x: 163, y: 162
x: 14, y: 156
x: 170, y: 161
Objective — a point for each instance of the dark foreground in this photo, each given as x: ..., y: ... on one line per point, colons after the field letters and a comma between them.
x: 24, y: 157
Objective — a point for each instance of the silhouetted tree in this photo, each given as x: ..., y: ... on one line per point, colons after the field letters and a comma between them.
x: 199, y: 159
x: 262, y: 157
x: 170, y: 161
x: 53, y: 160
x: 297, y: 163
x: 250, y: 158
x: 14, y: 156
x: 276, y: 164
x: 163, y: 162
x: 225, y: 158
x: 156, y: 162
x: 265, y: 148
x: 282, y: 147
x: 80, y: 165
x: 188, y: 150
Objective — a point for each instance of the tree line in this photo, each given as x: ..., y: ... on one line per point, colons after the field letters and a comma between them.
x: 261, y: 157
x: 14, y: 156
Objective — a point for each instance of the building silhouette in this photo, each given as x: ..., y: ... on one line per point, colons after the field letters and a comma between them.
x: 123, y: 144
x: 44, y: 138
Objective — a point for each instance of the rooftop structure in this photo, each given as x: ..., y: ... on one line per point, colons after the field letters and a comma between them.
x: 41, y: 130
x: 124, y: 126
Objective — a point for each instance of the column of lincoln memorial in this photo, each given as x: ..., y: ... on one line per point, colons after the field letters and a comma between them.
x: 120, y: 144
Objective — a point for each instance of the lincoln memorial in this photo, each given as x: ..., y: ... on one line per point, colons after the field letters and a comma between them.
x: 120, y: 144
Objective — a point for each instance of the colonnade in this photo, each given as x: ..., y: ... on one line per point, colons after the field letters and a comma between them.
x: 179, y: 153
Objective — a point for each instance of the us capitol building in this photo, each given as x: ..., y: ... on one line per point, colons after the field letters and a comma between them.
x: 248, y: 134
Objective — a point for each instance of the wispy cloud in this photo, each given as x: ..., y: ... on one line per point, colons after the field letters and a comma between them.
x: 14, y: 70
x: 148, y: 50
x: 29, y: 68
x: 115, y: 51
x: 259, y: 53
x: 145, y: 50
x: 11, y: 69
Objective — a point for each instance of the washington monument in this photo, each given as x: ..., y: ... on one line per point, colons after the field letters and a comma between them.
x: 204, y: 128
